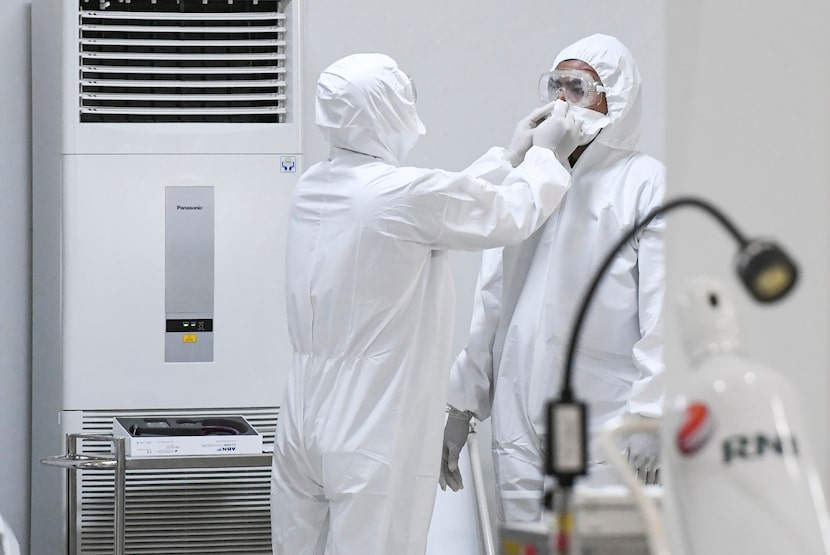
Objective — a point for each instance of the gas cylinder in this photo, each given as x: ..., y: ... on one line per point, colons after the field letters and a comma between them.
x: 735, y: 451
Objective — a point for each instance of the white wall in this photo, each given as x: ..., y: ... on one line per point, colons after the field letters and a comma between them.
x: 759, y: 149
x: 15, y: 265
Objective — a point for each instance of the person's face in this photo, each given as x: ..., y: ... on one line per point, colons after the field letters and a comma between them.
x: 601, y: 105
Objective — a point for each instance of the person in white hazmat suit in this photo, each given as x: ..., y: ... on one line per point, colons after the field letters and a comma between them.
x: 370, y: 307
x: 527, y: 295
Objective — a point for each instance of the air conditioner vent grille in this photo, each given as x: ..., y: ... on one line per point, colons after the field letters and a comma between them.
x: 182, y: 61
x: 177, y: 511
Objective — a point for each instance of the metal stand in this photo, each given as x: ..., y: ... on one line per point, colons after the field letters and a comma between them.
x: 485, y: 530
x: 74, y: 461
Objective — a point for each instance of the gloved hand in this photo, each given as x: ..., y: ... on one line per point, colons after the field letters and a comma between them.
x: 559, y: 132
x: 523, y: 135
x: 644, y: 456
x: 455, y: 436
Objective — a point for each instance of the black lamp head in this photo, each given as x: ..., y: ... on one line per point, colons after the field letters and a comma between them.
x: 766, y: 270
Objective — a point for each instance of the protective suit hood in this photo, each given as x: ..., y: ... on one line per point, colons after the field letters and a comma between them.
x: 618, y: 71
x: 366, y: 104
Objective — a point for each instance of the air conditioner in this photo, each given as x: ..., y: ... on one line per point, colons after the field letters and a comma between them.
x: 166, y: 146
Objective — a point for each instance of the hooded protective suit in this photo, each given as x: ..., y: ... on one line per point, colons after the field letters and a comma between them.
x: 527, y: 295
x: 370, y: 302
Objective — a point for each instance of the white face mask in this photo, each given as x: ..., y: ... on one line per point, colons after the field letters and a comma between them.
x: 590, y: 123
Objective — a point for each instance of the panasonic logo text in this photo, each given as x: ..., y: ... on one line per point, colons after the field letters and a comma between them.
x: 180, y: 207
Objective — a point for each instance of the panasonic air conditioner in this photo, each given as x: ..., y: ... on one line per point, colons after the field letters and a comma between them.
x: 166, y: 147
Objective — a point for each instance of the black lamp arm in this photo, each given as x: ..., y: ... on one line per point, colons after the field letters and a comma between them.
x: 566, y: 391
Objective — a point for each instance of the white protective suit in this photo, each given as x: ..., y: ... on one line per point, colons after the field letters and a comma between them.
x: 370, y: 308
x: 527, y: 296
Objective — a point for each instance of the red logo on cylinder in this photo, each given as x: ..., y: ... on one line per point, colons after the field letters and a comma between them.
x: 696, y: 429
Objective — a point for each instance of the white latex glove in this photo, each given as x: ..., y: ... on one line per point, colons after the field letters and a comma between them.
x: 644, y: 456
x: 455, y: 436
x: 523, y: 135
x: 559, y: 133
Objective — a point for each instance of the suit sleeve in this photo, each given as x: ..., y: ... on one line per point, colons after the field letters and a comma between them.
x: 458, y: 211
x: 647, y: 392
x: 472, y: 375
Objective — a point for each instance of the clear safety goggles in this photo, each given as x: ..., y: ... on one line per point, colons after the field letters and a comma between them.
x: 578, y: 87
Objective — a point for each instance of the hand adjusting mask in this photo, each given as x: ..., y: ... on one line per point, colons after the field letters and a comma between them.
x: 580, y: 89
